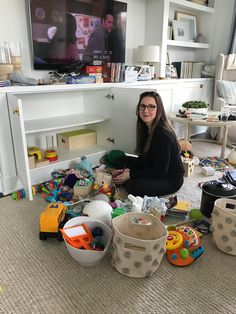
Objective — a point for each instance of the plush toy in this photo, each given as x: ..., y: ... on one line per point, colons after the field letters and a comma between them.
x: 186, y: 148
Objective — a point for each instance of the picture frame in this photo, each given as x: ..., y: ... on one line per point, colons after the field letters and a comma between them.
x: 191, y: 20
x: 180, y: 30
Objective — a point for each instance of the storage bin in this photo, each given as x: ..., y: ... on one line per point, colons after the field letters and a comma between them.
x: 138, y: 244
x: 88, y: 257
x: 77, y: 139
x: 224, y: 225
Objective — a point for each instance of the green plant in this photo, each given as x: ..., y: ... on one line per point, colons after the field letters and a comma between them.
x: 195, y: 104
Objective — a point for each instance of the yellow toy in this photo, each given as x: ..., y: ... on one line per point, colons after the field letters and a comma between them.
x: 51, y: 220
x: 35, y: 151
x: 186, y: 148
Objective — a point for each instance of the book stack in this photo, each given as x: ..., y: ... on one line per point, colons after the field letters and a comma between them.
x: 180, y: 210
x: 189, y: 69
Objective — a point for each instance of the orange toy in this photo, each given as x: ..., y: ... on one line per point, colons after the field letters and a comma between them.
x: 51, y: 220
x: 79, y: 236
x: 183, y: 245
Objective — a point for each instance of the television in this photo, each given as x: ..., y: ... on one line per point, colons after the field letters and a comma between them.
x: 69, y: 34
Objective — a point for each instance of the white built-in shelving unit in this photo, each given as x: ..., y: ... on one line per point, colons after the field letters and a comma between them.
x: 161, y: 13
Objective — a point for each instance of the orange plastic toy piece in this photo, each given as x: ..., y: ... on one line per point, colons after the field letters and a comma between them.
x: 78, y: 236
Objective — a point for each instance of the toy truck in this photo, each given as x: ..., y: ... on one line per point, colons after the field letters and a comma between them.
x: 52, y: 219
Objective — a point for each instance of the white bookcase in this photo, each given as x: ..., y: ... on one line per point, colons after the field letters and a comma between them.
x: 161, y: 12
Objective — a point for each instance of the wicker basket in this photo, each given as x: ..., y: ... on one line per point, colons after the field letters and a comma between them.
x: 138, y: 244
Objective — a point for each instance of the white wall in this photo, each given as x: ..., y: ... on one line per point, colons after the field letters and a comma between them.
x: 14, y: 27
x: 222, y: 25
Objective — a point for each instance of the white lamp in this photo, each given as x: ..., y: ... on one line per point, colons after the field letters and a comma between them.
x: 149, y: 54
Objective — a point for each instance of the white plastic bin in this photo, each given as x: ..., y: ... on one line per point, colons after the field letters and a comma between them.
x: 88, y: 257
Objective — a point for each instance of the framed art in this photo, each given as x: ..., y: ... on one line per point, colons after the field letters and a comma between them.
x: 191, y: 20
x: 180, y: 30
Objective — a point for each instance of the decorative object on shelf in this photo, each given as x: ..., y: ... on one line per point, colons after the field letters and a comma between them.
x: 15, y: 53
x: 200, y: 38
x: 191, y: 21
x: 149, y: 54
x: 196, y: 106
x: 180, y: 30
x: 5, y: 64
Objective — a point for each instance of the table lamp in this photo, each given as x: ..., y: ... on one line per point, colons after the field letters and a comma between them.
x: 149, y: 54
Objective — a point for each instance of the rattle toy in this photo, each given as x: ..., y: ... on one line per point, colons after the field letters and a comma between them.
x: 183, y: 245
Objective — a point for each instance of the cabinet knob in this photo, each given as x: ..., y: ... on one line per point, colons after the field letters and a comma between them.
x: 201, y: 85
x: 110, y: 96
x: 16, y: 111
x: 111, y: 140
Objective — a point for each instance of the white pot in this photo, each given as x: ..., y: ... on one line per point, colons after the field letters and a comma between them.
x: 196, y: 110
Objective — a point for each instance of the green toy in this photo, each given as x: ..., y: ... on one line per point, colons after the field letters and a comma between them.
x: 195, y: 214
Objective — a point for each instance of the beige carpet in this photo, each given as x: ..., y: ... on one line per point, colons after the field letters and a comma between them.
x: 41, y: 277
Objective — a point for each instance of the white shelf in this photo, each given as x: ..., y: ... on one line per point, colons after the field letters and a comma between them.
x: 191, y: 5
x: 61, y: 122
x: 70, y: 156
x: 187, y: 44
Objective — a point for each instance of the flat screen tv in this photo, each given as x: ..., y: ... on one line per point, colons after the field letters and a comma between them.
x: 68, y: 33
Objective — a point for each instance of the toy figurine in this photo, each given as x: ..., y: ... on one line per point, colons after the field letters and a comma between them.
x: 186, y: 149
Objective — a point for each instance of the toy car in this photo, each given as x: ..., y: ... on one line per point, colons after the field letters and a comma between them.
x: 51, y: 220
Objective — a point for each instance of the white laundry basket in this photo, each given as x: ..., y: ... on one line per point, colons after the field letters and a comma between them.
x: 224, y: 225
x: 138, y: 244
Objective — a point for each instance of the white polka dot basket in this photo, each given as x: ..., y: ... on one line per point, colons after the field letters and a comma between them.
x: 224, y: 225
x: 138, y: 244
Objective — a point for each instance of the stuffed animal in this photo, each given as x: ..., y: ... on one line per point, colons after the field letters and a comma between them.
x: 186, y: 148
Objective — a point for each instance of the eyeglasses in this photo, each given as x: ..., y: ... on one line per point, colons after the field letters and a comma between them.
x: 148, y: 107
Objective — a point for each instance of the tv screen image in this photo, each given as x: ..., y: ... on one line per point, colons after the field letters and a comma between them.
x: 68, y: 33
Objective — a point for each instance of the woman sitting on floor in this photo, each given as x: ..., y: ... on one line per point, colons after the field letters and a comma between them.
x: 158, y: 169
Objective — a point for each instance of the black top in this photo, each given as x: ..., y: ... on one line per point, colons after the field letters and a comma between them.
x: 160, y: 161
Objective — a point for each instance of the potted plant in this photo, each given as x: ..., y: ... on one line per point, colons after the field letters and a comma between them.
x: 195, y: 106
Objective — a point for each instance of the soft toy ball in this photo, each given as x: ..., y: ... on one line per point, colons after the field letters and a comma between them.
x: 195, y: 214
x: 100, y: 210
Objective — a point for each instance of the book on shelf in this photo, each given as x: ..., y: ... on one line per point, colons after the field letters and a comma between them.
x: 189, y: 69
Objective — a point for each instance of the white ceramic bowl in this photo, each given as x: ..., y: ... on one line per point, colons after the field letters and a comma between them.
x: 88, y: 257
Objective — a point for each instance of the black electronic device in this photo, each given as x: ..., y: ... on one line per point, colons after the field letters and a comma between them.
x: 60, y: 32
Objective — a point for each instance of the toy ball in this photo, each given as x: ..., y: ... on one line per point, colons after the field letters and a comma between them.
x: 97, y: 232
x: 101, y: 197
x: 100, y: 210
x: 195, y: 214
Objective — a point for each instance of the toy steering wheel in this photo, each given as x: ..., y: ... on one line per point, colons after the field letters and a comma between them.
x: 174, y: 240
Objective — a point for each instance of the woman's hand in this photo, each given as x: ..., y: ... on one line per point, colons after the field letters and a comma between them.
x: 120, y: 176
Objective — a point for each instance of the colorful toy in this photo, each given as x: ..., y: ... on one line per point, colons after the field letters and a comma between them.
x: 51, y: 155
x: 51, y: 220
x: 186, y: 148
x: 20, y: 194
x: 35, y: 151
x: 183, y: 245
x: 79, y: 236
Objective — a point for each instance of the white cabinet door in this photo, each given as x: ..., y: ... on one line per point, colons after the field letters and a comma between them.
x: 20, y: 145
x: 123, y: 117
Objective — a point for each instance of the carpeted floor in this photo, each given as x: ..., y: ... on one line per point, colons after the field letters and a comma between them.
x: 41, y: 277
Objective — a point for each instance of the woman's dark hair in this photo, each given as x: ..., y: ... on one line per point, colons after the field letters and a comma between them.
x: 143, y: 135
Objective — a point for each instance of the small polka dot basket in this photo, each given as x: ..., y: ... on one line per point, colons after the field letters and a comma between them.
x: 138, y: 244
x: 224, y: 225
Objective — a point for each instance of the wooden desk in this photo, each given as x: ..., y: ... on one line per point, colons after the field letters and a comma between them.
x: 224, y: 125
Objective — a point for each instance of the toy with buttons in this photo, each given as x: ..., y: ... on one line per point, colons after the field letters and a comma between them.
x: 183, y: 245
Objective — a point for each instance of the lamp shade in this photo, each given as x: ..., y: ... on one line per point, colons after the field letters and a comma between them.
x: 148, y: 53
